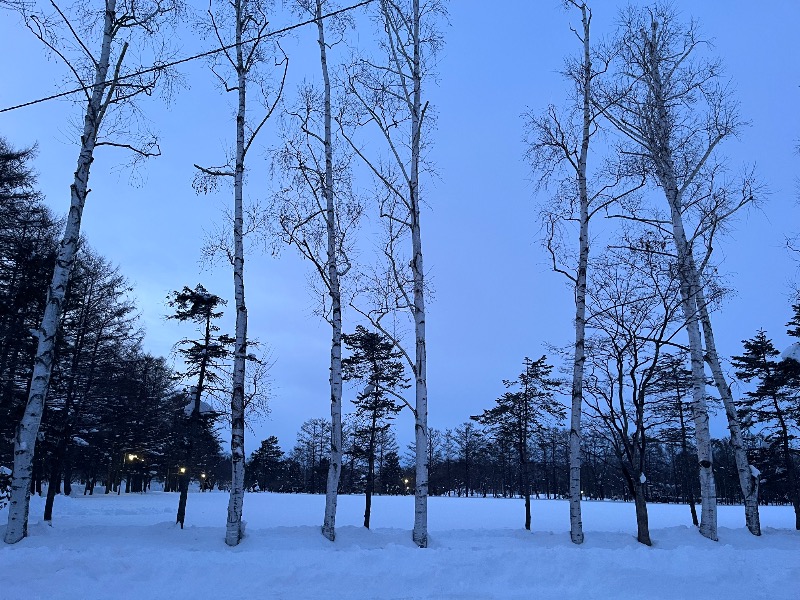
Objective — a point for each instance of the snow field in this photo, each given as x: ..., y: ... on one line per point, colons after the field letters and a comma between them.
x: 129, y: 547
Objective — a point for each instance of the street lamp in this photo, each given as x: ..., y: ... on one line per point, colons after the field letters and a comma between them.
x: 183, y: 470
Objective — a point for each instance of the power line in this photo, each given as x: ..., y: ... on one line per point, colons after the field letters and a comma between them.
x: 187, y: 59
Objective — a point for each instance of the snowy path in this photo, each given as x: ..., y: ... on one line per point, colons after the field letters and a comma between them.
x: 128, y: 547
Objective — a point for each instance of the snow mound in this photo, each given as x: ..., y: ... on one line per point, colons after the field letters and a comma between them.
x: 792, y: 352
x: 205, y: 409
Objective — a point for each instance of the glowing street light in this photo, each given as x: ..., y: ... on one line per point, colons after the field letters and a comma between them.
x: 132, y: 457
x: 183, y: 470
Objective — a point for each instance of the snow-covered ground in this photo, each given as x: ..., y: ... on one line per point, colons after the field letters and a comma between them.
x: 129, y: 547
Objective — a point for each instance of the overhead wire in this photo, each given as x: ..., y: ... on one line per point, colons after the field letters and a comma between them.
x: 167, y: 65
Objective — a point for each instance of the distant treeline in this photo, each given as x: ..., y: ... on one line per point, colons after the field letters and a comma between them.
x: 468, y: 461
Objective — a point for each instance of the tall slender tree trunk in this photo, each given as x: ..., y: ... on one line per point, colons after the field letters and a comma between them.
x: 25, y: 438
x: 234, y: 530
x: 58, y: 462
x: 689, y: 286
x: 335, y: 464
x: 54, y: 483
x: 696, y: 315
x: 708, y: 494
x: 420, y: 532
x: 747, y: 480
x: 579, y: 361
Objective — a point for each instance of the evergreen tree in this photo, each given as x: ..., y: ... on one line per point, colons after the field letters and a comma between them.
x: 673, y: 381
x: 392, y: 474
x: 521, y: 413
x: 769, y: 406
x: 375, y: 362
x: 265, y: 466
x: 201, y: 357
x: 28, y: 234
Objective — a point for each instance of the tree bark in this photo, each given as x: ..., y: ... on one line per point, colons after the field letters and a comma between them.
x: 642, y: 524
x: 234, y: 529
x: 579, y: 360
x: 335, y: 464
x: 25, y: 438
x: 526, y: 489
x: 708, y: 514
x: 689, y: 287
x: 370, y: 472
x: 686, y: 476
x: 747, y: 481
x: 420, y: 532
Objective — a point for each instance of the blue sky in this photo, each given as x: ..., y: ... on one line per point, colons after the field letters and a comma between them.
x: 496, y: 299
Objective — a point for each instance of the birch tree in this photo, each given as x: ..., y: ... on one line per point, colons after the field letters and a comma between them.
x: 387, y: 93
x: 110, y: 83
x: 559, y: 144
x: 673, y: 111
x: 244, y: 25
x: 317, y: 210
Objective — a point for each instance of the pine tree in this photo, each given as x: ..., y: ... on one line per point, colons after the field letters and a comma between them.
x: 201, y: 356
x: 375, y: 362
x: 521, y: 413
x: 265, y: 466
x: 673, y: 381
x: 769, y: 405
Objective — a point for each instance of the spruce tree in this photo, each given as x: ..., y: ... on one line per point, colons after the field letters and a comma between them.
x: 769, y: 406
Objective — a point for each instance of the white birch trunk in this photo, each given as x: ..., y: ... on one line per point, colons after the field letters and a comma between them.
x: 689, y: 288
x: 420, y: 532
x: 28, y: 429
x: 234, y: 529
x: 335, y: 465
x: 747, y: 481
x: 575, y: 522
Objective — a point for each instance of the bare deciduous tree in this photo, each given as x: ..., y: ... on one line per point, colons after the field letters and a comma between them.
x: 388, y: 93
x: 111, y: 118
x: 559, y: 144
x: 317, y: 209
x: 635, y: 304
x: 673, y: 111
x: 245, y: 24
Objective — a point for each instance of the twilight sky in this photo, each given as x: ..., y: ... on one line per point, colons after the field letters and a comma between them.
x: 496, y: 300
